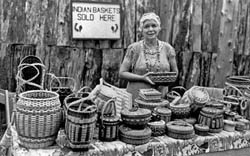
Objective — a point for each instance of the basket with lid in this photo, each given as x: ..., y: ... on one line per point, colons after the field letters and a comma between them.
x: 136, y: 117
x: 108, y: 128
x: 134, y: 136
x: 151, y: 104
x: 80, y: 123
x: 164, y: 113
x: 158, y: 128
x: 180, y: 129
x: 213, y: 118
x: 38, y: 117
x: 180, y: 110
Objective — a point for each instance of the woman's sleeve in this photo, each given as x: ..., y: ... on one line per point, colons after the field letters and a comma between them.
x: 171, y: 52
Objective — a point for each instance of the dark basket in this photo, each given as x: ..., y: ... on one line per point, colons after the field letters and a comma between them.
x: 163, y: 77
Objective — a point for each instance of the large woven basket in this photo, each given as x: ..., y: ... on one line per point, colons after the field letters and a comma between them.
x: 80, y: 123
x: 38, y: 118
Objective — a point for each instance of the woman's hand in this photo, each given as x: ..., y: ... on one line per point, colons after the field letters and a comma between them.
x: 146, y: 78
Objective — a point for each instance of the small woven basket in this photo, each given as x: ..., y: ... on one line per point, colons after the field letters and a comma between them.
x: 80, y: 123
x: 38, y: 118
x: 163, y: 77
x: 108, y: 130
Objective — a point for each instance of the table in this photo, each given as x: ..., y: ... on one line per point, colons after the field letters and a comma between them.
x: 158, y: 146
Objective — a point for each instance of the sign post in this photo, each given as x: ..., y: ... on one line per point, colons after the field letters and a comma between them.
x: 92, y: 20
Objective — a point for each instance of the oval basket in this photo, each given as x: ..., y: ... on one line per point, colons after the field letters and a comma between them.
x: 38, y: 118
x: 163, y: 77
x: 80, y: 123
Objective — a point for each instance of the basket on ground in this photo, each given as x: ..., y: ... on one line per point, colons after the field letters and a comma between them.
x: 38, y: 118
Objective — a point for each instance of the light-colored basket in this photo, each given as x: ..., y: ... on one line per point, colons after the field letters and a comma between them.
x: 38, y: 118
x: 80, y: 123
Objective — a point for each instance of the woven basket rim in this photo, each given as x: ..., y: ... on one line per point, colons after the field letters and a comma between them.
x: 22, y: 95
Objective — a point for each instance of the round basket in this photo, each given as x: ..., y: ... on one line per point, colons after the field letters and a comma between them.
x: 136, y: 117
x: 180, y: 111
x: 158, y: 128
x: 164, y: 113
x: 135, y: 136
x: 38, y: 118
x: 151, y: 105
x: 80, y: 123
x: 180, y: 129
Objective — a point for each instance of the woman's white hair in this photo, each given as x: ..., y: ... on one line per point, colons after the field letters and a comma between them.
x: 149, y: 16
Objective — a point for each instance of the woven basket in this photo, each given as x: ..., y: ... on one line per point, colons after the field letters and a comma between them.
x: 180, y: 130
x: 108, y: 130
x: 152, y: 104
x: 30, y: 74
x: 180, y: 111
x: 64, y: 86
x: 105, y: 91
x: 158, y: 128
x: 240, y: 82
x: 163, y: 77
x: 80, y: 123
x: 134, y: 136
x: 38, y: 118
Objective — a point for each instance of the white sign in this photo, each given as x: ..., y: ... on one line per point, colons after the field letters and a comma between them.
x: 92, y: 20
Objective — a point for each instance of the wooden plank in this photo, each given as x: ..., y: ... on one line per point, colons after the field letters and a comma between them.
x: 166, y: 12
x: 181, y: 25
x: 242, y: 27
x: 205, y: 68
x: 206, y: 40
x: 111, y: 61
x: 196, y: 26
x: 247, y: 40
x: 226, y: 41
x: 129, y: 22
x: 216, y: 8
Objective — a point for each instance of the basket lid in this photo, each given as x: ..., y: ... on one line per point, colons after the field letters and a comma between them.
x: 180, y: 125
x: 180, y: 105
x: 199, y: 95
x: 230, y: 122
x: 201, y: 127
x: 211, y: 110
x: 138, y: 133
x: 136, y: 112
x: 157, y: 123
x: 150, y: 92
x: 162, y: 111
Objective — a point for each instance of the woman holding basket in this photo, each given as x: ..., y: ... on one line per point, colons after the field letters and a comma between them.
x: 147, y: 56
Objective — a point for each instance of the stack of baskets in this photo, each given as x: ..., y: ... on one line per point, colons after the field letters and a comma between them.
x: 134, y: 129
x: 38, y: 118
x: 150, y: 99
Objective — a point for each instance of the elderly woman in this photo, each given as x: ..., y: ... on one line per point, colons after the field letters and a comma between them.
x: 147, y: 55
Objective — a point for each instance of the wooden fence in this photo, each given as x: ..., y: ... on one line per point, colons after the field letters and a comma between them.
x: 211, y: 39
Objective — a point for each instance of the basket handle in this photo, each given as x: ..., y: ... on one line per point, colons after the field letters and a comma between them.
x: 87, y: 108
x: 81, y: 90
x: 179, y: 87
x: 109, y: 102
x: 174, y: 93
x: 19, y: 73
x: 60, y: 83
x: 229, y: 85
